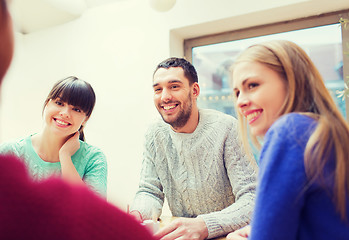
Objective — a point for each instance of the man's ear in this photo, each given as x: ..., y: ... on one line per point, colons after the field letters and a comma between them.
x: 196, y: 90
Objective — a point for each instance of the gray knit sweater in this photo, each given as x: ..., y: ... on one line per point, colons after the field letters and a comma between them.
x: 204, y: 173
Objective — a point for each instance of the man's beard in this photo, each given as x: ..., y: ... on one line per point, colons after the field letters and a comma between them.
x: 183, y: 116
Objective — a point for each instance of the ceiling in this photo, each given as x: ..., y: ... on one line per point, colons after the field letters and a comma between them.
x: 33, y: 15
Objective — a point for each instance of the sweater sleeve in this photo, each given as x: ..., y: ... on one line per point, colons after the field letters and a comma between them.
x: 96, y: 172
x: 242, y: 176
x: 149, y: 198
x: 10, y: 148
x: 282, y: 178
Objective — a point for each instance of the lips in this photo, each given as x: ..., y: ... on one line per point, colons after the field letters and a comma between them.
x: 61, y: 122
x: 168, y: 108
x: 252, y: 116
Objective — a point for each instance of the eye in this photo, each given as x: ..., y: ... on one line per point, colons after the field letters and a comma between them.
x: 77, y: 109
x: 236, y: 94
x: 174, y: 86
x: 157, y: 90
x: 252, y: 85
x: 59, y: 103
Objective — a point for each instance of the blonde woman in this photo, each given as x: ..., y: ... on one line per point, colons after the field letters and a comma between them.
x: 304, y: 163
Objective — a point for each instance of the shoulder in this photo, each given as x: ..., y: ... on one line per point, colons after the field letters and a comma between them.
x: 284, y: 145
x: 294, y: 120
x: 157, y: 128
x: 90, y: 151
x: 11, y: 167
x: 215, y: 115
x: 290, y: 130
x: 217, y: 124
x: 16, y: 146
x: 210, y: 116
x: 293, y: 124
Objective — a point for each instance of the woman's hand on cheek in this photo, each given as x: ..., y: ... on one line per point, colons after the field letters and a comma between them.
x: 69, y: 147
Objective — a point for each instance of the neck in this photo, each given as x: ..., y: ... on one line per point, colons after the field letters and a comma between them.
x: 192, y: 123
x: 47, y: 146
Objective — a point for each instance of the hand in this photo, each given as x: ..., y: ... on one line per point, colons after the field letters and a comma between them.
x: 240, y: 234
x: 136, y: 215
x: 69, y: 147
x: 183, y: 228
x: 68, y: 169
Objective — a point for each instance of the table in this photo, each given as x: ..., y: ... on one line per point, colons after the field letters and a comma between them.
x: 164, y: 220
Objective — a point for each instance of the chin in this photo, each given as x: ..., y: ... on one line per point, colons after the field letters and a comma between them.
x: 257, y: 132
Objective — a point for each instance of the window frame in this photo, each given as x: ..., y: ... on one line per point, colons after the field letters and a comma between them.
x: 279, y: 27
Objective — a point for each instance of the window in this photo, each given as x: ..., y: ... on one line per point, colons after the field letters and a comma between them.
x: 323, y: 37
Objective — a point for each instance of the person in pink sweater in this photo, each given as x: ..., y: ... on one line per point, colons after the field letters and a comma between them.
x: 52, y: 209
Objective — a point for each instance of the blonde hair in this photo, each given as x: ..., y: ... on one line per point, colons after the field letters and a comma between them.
x: 306, y: 94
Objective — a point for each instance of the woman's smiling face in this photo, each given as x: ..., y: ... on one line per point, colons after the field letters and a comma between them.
x: 62, y: 118
x: 260, y: 93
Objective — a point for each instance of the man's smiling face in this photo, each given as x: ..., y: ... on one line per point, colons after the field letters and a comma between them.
x: 172, y: 96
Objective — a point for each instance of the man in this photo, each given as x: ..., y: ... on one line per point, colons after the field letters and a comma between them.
x: 52, y: 209
x: 194, y: 159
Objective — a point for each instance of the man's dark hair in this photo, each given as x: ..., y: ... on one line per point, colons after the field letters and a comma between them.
x: 188, y: 68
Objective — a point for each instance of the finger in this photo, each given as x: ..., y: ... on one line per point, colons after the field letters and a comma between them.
x: 136, y: 215
x: 178, y: 233
x: 235, y: 236
x: 189, y: 236
x: 75, y: 137
x: 165, y: 230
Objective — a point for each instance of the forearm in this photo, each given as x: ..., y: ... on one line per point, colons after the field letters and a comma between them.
x: 68, y: 170
x: 149, y: 198
x: 231, y: 218
x: 149, y: 206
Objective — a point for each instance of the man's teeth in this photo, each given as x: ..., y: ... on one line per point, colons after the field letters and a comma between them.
x: 61, y: 122
x: 169, y: 107
x: 252, y: 115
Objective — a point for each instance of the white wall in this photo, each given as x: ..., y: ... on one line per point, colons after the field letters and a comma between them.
x: 116, y: 48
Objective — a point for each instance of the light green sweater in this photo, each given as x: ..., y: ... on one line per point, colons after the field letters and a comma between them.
x: 204, y: 173
x: 89, y: 161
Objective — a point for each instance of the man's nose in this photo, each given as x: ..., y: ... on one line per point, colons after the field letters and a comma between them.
x: 166, y: 95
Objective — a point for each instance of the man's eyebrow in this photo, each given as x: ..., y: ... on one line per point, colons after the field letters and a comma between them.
x: 171, y: 81
x: 175, y: 81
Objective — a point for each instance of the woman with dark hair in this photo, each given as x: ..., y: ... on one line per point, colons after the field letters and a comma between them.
x: 52, y: 208
x: 59, y: 148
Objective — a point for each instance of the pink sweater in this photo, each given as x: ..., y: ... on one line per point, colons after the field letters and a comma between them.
x: 53, y: 209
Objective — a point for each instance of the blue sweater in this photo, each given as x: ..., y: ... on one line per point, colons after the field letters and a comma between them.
x: 286, y: 207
